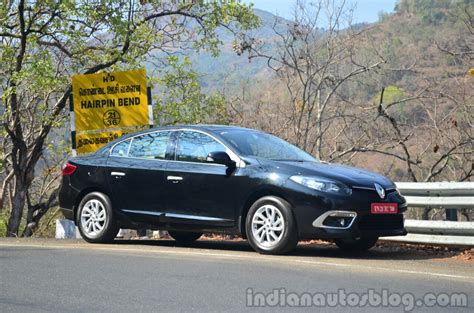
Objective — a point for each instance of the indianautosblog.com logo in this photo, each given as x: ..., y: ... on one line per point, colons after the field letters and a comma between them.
x: 280, y: 297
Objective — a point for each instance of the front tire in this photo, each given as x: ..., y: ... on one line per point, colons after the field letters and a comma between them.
x: 356, y: 244
x: 95, y: 218
x: 184, y: 237
x: 271, y: 227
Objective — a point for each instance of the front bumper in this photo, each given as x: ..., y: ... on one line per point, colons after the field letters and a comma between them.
x: 367, y: 225
x: 317, y: 217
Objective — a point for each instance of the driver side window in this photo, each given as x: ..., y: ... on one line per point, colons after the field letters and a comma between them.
x: 195, y: 146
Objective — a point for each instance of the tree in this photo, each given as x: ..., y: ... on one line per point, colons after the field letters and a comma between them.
x: 420, y: 124
x: 182, y: 100
x: 315, y: 58
x: 427, y: 126
x: 394, y: 97
x: 44, y: 42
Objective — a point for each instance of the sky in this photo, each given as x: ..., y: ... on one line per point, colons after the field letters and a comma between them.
x: 366, y: 10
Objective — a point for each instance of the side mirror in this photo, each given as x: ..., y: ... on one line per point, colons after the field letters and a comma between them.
x: 220, y: 157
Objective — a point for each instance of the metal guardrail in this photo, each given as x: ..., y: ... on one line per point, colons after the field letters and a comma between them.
x: 445, y: 195
x: 440, y: 227
x: 452, y: 195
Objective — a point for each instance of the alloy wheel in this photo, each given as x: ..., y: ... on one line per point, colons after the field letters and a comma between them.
x: 93, y: 217
x: 268, y: 226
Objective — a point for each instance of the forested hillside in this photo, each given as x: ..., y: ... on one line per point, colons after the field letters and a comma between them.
x: 418, y: 57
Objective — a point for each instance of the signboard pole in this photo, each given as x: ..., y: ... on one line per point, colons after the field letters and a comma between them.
x: 150, y: 107
x: 73, y: 124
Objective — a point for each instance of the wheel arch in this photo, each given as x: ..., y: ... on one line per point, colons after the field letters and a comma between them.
x: 254, y: 196
x: 83, y: 193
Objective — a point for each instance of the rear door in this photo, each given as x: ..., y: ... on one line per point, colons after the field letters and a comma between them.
x: 136, y: 174
x: 199, y: 192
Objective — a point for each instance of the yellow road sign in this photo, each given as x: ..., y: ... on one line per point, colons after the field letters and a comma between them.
x: 110, y: 100
x: 91, y: 142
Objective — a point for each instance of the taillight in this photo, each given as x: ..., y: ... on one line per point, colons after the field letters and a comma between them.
x: 68, y: 169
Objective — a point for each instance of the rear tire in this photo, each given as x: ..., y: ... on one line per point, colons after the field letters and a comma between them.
x: 184, y: 237
x: 271, y: 227
x: 356, y: 244
x: 95, y: 218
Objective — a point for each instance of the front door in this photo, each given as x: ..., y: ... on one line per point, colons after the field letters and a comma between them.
x: 199, y: 192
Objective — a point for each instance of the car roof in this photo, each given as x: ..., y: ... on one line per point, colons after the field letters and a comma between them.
x: 212, y: 128
x: 206, y: 127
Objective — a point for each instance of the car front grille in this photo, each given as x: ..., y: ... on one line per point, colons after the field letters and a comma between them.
x: 381, y: 222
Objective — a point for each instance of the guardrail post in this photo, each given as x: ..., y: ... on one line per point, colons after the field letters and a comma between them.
x: 451, y: 215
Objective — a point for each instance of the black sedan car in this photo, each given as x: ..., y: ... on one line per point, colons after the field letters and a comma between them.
x: 210, y: 178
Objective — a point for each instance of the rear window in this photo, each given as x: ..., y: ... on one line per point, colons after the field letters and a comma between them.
x: 150, y: 146
x: 121, y: 149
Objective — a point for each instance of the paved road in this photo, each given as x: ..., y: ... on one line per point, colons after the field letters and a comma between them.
x: 157, y: 276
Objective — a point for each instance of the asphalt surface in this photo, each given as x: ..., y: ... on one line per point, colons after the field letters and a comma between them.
x: 157, y: 276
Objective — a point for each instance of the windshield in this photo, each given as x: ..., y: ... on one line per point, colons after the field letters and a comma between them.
x: 263, y: 145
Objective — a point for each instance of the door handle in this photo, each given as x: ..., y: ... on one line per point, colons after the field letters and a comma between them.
x: 175, y: 179
x: 117, y: 174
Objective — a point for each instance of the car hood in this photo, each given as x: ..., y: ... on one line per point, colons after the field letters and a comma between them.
x: 348, y: 175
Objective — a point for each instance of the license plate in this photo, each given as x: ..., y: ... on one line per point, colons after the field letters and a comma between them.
x: 384, y: 208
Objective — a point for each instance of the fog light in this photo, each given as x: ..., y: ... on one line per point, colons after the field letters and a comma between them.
x: 335, y: 219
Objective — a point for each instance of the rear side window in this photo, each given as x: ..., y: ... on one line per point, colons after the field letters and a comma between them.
x: 195, y: 146
x: 121, y: 149
x: 150, y: 146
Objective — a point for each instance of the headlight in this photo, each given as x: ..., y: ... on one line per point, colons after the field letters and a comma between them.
x: 322, y: 184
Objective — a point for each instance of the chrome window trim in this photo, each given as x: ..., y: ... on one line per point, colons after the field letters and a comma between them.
x: 200, y: 163
x: 234, y: 156
x: 164, y: 160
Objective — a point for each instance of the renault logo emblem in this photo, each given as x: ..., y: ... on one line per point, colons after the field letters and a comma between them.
x: 380, y: 190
